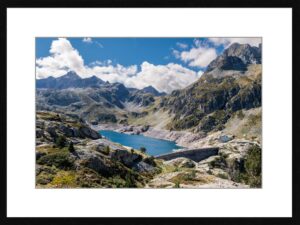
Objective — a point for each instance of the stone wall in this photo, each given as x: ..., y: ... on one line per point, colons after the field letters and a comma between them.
x: 193, y: 154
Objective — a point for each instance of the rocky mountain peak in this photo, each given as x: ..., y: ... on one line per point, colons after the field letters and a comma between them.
x: 247, y: 53
x: 151, y: 90
x: 69, y: 80
x: 236, y: 57
x: 71, y: 75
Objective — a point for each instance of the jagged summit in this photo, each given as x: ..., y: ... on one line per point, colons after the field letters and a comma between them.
x: 236, y: 57
x: 150, y: 89
x: 247, y: 53
x: 70, y: 75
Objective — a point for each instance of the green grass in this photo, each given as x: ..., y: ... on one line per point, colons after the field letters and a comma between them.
x: 65, y: 179
x: 49, y: 149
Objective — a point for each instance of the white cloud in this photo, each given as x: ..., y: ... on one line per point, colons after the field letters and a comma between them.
x: 99, y: 44
x: 182, y: 45
x: 114, y: 74
x: 163, y: 77
x: 228, y: 41
x: 65, y: 58
x: 87, y: 40
x: 201, y: 43
x: 199, y: 56
x: 176, y: 53
x: 101, y: 63
x: 204, y: 50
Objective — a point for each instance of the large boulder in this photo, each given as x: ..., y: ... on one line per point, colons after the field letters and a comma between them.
x: 125, y: 157
x: 94, y: 122
x: 67, y: 131
x: 143, y: 167
x: 89, y: 133
x: 102, y: 148
x: 76, y: 132
x: 52, y: 131
x: 225, y: 138
x: 181, y: 163
x: 94, y: 161
x: 145, y: 128
x: 40, y: 124
x: 39, y: 133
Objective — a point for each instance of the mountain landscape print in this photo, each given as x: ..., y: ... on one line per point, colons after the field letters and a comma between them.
x: 148, y: 112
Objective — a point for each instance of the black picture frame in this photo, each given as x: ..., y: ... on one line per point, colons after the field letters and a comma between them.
x: 151, y: 3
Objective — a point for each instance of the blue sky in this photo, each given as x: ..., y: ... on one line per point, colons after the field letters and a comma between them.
x: 165, y: 63
x: 125, y: 51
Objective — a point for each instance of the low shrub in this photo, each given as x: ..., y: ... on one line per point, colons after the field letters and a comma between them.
x: 143, y: 149
x: 218, y: 162
x: 44, y: 178
x: 60, y: 141
x: 253, y: 166
x: 60, y: 160
x: 106, y: 150
x: 240, y: 114
x: 177, y: 184
x: 150, y: 160
x: 247, y: 170
x: 129, y: 181
x: 71, y: 147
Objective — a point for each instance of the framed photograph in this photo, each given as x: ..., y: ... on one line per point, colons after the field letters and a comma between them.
x: 142, y: 113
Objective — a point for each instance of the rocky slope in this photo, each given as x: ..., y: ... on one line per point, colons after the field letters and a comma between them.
x: 69, y: 154
x: 91, y: 98
x: 209, y: 103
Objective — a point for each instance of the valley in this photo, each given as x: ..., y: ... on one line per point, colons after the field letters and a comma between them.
x: 222, y: 109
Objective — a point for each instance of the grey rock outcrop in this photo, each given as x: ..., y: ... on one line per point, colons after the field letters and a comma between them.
x: 143, y: 167
x: 225, y: 138
x: 127, y: 158
x: 94, y: 161
x: 89, y: 133
x: 181, y: 163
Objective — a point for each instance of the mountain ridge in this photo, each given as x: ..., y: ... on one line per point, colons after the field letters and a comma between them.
x: 73, y: 80
x: 204, y: 105
x: 69, y: 80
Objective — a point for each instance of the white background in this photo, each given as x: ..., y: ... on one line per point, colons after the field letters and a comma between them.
x: 274, y: 25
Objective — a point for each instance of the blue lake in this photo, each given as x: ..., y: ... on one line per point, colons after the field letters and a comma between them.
x: 154, y: 146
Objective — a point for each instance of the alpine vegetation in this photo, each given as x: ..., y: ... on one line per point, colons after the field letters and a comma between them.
x: 148, y: 113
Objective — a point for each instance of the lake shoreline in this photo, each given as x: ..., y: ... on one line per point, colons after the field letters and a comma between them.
x: 153, y: 146
x: 184, y: 139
